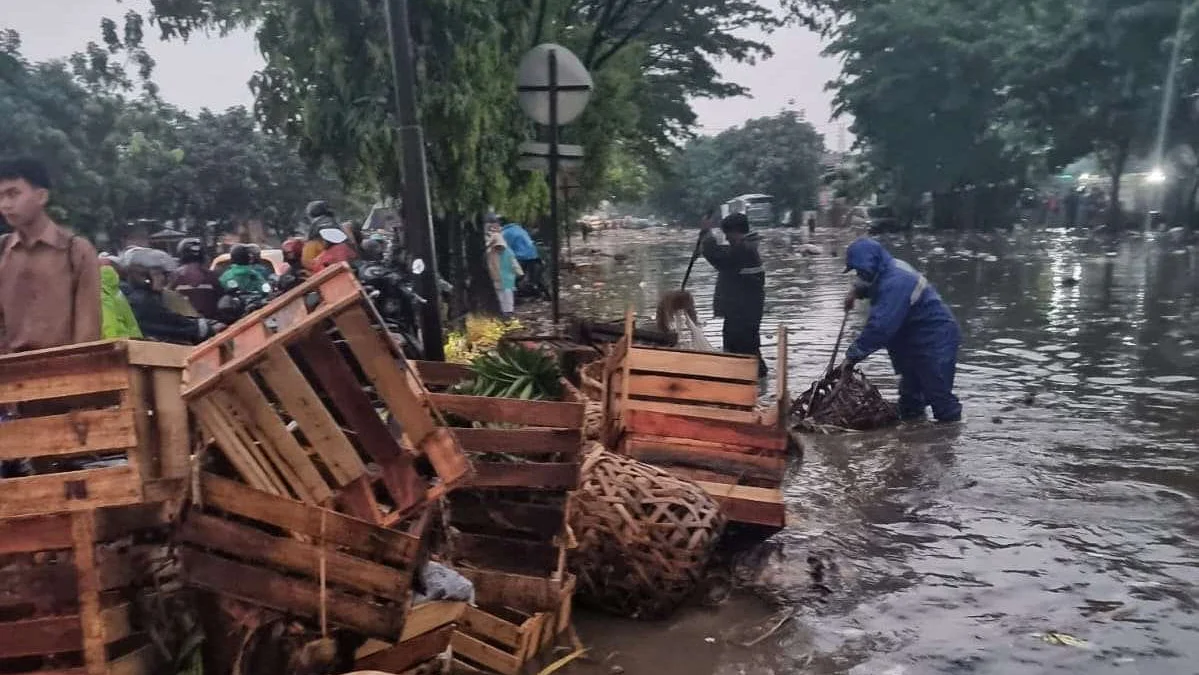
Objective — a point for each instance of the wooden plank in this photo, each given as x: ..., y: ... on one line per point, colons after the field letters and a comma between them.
x: 557, y: 414
x: 140, y: 398
x: 37, y: 533
x: 505, y: 554
x: 449, y: 461
x: 694, y: 391
x: 139, y: 662
x: 269, y: 428
x: 80, y: 432
x: 305, y: 407
x: 117, y: 622
x: 442, y: 373
x: 535, y: 476
x: 742, y: 416
x: 157, y: 354
x: 663, y: 452
x: 737, y: 454
x: 726, y: 433
x: 257, y: 445
x: 62, y: 376
x: 170, y: 416
x: 478, y: 622
x: 250, y: 544
x: 755, y: 506
x: 87, y: 574
x: 468, y: 647
x: 471, y: 511
x: 521, y: 441
x: 362, y: 537
x: 32, y: 637
x: 783, y: 394
x: 45, y: 586
x: 276, y: 591
x: 388, y: 371
x: 688, y: 364
x: 212, y: 411
x: 429, y: 616
x: 69, y: 491
x: 529, y: 594
x: 409, y: 653
x: 406, y: 486
x: 112, y: 524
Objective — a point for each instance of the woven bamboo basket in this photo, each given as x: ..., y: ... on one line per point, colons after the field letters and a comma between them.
x: 644, y: 536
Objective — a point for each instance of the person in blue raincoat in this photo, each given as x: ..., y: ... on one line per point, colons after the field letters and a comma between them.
x: 909, y: 319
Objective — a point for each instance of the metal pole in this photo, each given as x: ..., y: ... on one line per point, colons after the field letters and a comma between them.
x: 555, y: 244
x: 417, y: 217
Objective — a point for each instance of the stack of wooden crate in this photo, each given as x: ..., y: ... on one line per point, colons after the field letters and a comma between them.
x: 84, y: 539
x: 509, y: 523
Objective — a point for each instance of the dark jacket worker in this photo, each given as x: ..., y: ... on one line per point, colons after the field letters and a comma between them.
x: 740, y: 296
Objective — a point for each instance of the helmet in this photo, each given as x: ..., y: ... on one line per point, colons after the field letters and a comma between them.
x: 255, y: 253
x: 190, y: 250
x: 241, y: 254
x: 293, y: 248
x: 373, y: 249
x: 317, y: 209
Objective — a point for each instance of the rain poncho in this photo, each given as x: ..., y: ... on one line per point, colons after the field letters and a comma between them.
x: 517, y: 238
x: 909, y: 319
x: 249, y: 278
x: 116, y: 317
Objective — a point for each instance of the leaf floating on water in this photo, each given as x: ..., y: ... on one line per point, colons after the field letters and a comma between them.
x: 1062, y: 639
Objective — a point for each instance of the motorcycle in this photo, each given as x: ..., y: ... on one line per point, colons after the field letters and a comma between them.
x: 394, y: 296
x: 238, y: 302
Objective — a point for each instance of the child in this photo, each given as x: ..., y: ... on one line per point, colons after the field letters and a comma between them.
x: 740, y: 286
x: 504, y: 269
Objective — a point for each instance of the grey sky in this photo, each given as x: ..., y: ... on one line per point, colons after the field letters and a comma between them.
x: 213, y: 72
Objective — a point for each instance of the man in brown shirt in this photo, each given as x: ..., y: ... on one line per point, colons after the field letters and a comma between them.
x: 49, y: 277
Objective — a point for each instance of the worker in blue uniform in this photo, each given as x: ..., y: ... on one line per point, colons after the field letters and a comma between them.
x: 909, y: 319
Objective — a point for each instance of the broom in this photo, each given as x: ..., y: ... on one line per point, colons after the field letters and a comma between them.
x: 673, y: 302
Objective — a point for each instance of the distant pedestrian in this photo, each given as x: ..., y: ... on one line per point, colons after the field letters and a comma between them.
x: 504, y: 270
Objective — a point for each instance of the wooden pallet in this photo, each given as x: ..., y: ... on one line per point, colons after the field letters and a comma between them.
x: 511, y: 515
x: 268, y: 550
x: 427, y: 634
x: 695, y: 414
x: 69, y: 588
x: 516, y: 622
x: 293, y: 395
x: 114, y: 400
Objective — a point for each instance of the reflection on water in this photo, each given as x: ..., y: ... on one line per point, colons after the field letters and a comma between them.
x: 1065, y: 502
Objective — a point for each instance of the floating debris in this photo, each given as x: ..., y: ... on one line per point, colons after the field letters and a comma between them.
x: 842, y: 401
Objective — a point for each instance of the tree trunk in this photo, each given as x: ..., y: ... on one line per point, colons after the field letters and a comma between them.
x: 1115, y: 215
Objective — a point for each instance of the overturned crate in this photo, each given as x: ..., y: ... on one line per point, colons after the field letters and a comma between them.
x: 428, y: 630
x: 516, y: 620
x: 696, y: 414
x: 293, y: 396
x: 512, y: 514
x: 76, y: 592
x: 100, y: 424
x: 299, y: 559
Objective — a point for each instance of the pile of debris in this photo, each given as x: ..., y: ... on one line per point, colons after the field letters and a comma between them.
x: 842, y: 400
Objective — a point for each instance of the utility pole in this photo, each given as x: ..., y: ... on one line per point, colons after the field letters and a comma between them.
x: 418, y: 219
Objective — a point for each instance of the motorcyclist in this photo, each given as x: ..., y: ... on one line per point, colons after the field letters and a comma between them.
x: 194, y: 281
x: 243, y: 275
x: 256, y: 259
x: 338, y: 248
x: 293, y: 256
x: 147, y: 271
x: 320, y: 215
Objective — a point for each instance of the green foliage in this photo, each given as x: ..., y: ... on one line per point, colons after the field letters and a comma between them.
x: 513, y: 371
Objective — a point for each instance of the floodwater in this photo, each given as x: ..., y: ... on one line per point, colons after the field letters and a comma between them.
x: 1055, y: 530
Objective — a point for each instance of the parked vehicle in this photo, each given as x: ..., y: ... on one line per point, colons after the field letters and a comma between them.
x: 758, y: 208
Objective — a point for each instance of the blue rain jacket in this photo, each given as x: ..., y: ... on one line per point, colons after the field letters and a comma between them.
x: 907, y: 315
x: 518, y: 240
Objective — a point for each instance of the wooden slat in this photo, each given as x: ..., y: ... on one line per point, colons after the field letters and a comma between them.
x: 449, y: 461
x: 441, y: 373
x: 755, y: 506
x: 69, y: 491
x: 557, y: 414
x: 521, y: 441
x: 667, y: 451
x: 257, y: 445
x: 48, y: 635
x: 723, y: 432
x: 170, y: 416
x: 117, y: 622
x: 429, y: 616
x: 269, y: 428
x: 83, y: 534
x: 693, y: 391
x: 689, y: 364
x: 529, y: 594
x: 478, y: 622
x: 471, y: 511
x: 536, y: 476
x: 505, y: 554
x: 140, y: 397
x: 248, y: 543
x: 305, y: 407
x: 81, y: 432
x: 271, y: 589
x: 213, y: 413
x: 484, y: 654
x: 407, y: 655
x: 62, y: 376
x: 36, y: 533
x: 364, y: 538
x: 157, y: 354
x: 743, y: 416
x: 139, y: 662
x: 387, y: 370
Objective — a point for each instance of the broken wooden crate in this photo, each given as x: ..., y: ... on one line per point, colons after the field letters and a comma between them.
x: 292, y: 396
x: 516, y: 620
x: 527, y: 456
x: 74, y: 591
x: 427, y: 633
x: 695, y: 413
x: 101, y: 424
x: 297, y: 558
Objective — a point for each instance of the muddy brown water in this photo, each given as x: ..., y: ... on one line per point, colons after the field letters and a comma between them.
x: 1065, y: 503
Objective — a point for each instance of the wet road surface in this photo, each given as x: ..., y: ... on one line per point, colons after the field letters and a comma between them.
x: 1064, y: 504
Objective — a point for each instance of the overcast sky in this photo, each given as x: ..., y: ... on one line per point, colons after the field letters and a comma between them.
x: 213, y: 72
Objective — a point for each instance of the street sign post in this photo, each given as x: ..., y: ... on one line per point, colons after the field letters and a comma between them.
x: 553, y: 88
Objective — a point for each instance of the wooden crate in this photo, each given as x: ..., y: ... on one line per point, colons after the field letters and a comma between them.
x: 427, y: 634
x: 511, y: 515
x: 267, y: 550
x: 292, y: 396
x: 117, y: 401
x: 517, y: 620
x: 696, y: 414
x: 69, y: 591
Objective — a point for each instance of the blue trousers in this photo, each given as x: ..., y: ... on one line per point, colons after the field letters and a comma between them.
x: 926, y: 379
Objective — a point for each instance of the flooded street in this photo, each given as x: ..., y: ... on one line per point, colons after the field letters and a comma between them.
x: 1067, y: 502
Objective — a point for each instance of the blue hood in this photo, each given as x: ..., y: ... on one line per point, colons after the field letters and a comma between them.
x: 867, y: 257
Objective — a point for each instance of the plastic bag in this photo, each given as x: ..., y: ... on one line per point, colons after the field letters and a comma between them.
x: 691, y: 334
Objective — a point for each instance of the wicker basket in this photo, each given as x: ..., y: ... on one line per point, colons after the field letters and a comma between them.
x: 644, y: 536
